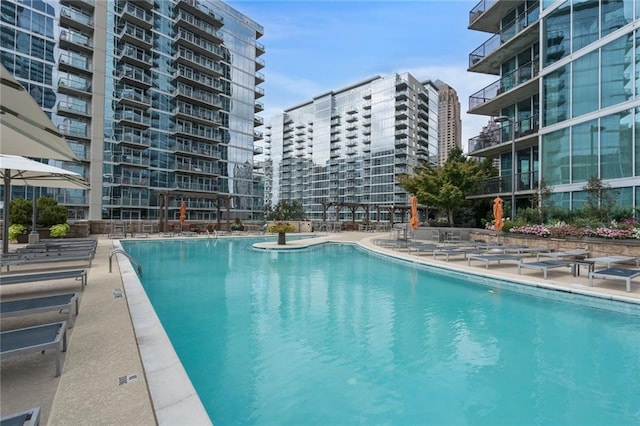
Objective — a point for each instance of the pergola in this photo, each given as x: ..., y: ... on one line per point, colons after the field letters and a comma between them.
x: 391, y: 208
x: 165, y: 197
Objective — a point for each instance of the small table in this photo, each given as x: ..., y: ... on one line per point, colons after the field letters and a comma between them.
x: 582, y: 262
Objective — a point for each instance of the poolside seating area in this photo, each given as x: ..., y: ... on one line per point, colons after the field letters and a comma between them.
x: 621, y: 274
x: 35, y: 325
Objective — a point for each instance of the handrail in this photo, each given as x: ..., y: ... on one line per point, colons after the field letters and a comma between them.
x: 128, y: 256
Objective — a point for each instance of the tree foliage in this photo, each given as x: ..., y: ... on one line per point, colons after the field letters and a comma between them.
x: 446, y: 188
x: 49, y: 212
x: 600, y: 199
x: 285, y: 210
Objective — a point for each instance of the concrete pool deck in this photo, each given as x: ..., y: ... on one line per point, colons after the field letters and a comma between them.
x: 103, y: 380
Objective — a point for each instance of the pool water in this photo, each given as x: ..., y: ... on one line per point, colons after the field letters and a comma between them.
x: 333, y: 335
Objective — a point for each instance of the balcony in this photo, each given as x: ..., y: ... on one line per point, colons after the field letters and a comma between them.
x: 199, y: 44
x: 132, y: 118
x: 70, y: 61
x: 204, y: 80
x: 75, y: 130
x: 130, y: 136
x: 84, y: 5
x: 136, y: 15
x: 526, y: 183
x: 259, y: 92
x: 514, y: 37
x: 134, y: 76
x: 72, y: 17
x: 192, y: 95
x: 74, y: 86
x: 131, y: 159
x: 200, y: 12
x: 492, y: 143
x: 199, y: 62
x: 197, y: 168
x: 135, y: 98
x: 205, y: 133
x: 136, y: 36
x: 259, y: 78
x: 135, y: 56
x: 520, y: 84
x: 71, y: 108
x: 259, y: 64
x: 198, y: 26
x: 260, y: 50
x: 258, y: 107
x: 76, y: 41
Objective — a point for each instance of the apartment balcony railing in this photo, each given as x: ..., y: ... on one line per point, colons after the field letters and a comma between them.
x: 504, y: 84
x: 132, y: 117
x: 479, y: 9
x: 80, y: 108
x: 76, y: 38
x: 502, y: 134
x: 199, y: 60
x: 77, y: 131
x: 76, y: 61
x: 138, y: 55
x: 131, y: 159
x: 526, y: 181
x: 136, y: 35
x: 133, y: 137
x: 197, y: 168
x: 77, y: 84
x: 509, y: 31
x: 199, y: 24
x: 201, y: 187
x: 138, y: 15
x: 76, y: 16
x: 198, y: 42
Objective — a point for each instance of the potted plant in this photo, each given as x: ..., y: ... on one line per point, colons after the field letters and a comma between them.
x: 59, y: 231
x: 15, y: 230
x: 281, y: 228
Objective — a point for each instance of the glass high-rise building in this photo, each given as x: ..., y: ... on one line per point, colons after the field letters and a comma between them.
x: 341, y: 153
x: 568, y: 89
x: 158, y: 99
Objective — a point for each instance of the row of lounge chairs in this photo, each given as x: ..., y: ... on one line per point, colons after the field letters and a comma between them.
x: 545, y: 260
x: 48, y: 336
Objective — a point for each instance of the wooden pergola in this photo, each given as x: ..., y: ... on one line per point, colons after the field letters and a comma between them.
x: 391, y: 208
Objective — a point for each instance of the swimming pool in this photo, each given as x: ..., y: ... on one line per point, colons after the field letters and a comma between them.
x: 334, y: 335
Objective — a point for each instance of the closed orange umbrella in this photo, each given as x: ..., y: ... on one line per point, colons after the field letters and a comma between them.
x: 183, y: 212
x: 498, y: 221
x: 414, y: 222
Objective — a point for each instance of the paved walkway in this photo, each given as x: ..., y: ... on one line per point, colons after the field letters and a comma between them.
x: 103, y: 382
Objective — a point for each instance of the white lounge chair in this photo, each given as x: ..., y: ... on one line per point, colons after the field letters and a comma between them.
x: 615, y: 274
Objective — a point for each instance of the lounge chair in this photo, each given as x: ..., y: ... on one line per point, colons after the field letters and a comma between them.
x: 77, y: 274
x: 570, y: 254
x: 24, y: 418
x: 12, y: 308
x: 545, y: 265
x: 35, y: 339
x: 493, y: 257
x: 35, y: 258
x: 615, y: 274
x: 453, y: 251
x: 612, y: 260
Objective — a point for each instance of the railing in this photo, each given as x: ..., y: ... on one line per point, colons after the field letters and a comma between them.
x: 502, y: 134
x: 479, y: 9
x: 504, y: 84
x: 527, y: 181
x: 128, y: 256
x: 509, y: 31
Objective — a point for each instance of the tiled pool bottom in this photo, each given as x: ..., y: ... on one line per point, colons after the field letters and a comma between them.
x: 466, y: 353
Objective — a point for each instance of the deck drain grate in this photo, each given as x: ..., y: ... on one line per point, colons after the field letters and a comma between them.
x: 127, y: 379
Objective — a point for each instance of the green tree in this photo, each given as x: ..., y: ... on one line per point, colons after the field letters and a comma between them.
x: 50, y: 213
x: 20, y: 212
x: 285, y: 210
x: 600, y: 199
x: 446, y: 188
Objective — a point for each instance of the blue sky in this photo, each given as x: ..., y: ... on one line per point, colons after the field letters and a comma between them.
x: 316, y: 46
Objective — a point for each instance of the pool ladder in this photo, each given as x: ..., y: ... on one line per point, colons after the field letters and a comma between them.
x: 128, y: 256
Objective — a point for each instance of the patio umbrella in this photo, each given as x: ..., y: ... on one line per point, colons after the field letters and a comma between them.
x: 183, y: 214
x: 25, y: 129
x: 21, y: 171
x: 498, y: 222
x: 414, y: 222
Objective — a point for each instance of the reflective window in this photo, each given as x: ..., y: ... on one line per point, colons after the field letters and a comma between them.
x: 555, y: 157
x: 616, y: 69
x: 557, y: 36
x: 584, y: 96
x: 585, y: 23
x: 615, y: 15
x: 616, y: 146
x: 556, y: 92
x: 584, y: 147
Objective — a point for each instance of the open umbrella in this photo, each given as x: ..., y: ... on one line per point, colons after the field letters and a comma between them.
x: 21, y: 171
x: 183, y: 214
x: 414, y: 222
x: 498, y: 222
x: 25, y: 129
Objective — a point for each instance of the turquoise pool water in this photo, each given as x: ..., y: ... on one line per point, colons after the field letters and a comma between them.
x: 333, y: 335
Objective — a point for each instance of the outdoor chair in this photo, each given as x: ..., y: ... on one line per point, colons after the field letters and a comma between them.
x: 622, y: 274
x: 24, y: 418
x: 59, y: 302
x: 77, y: 274
x: 35, y: 339
x: 496, y: 257
x: 545, y: 265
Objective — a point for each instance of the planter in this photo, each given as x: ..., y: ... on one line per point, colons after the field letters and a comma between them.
x: 282, y: 238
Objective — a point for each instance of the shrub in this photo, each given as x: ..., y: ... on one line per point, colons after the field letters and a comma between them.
x: 15, y: 230
x: 20, y: 212
x: 279, y: 227
x: 50, y: 213
x: 60, y: 230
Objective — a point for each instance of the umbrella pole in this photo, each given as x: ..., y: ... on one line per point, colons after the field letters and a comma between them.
x: 5, y: 211
x: 34, y: 237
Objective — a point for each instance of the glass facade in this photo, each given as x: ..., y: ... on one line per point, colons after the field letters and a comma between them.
x: 348, y: 147
x: 168, y: 111
x: 589, y: 81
